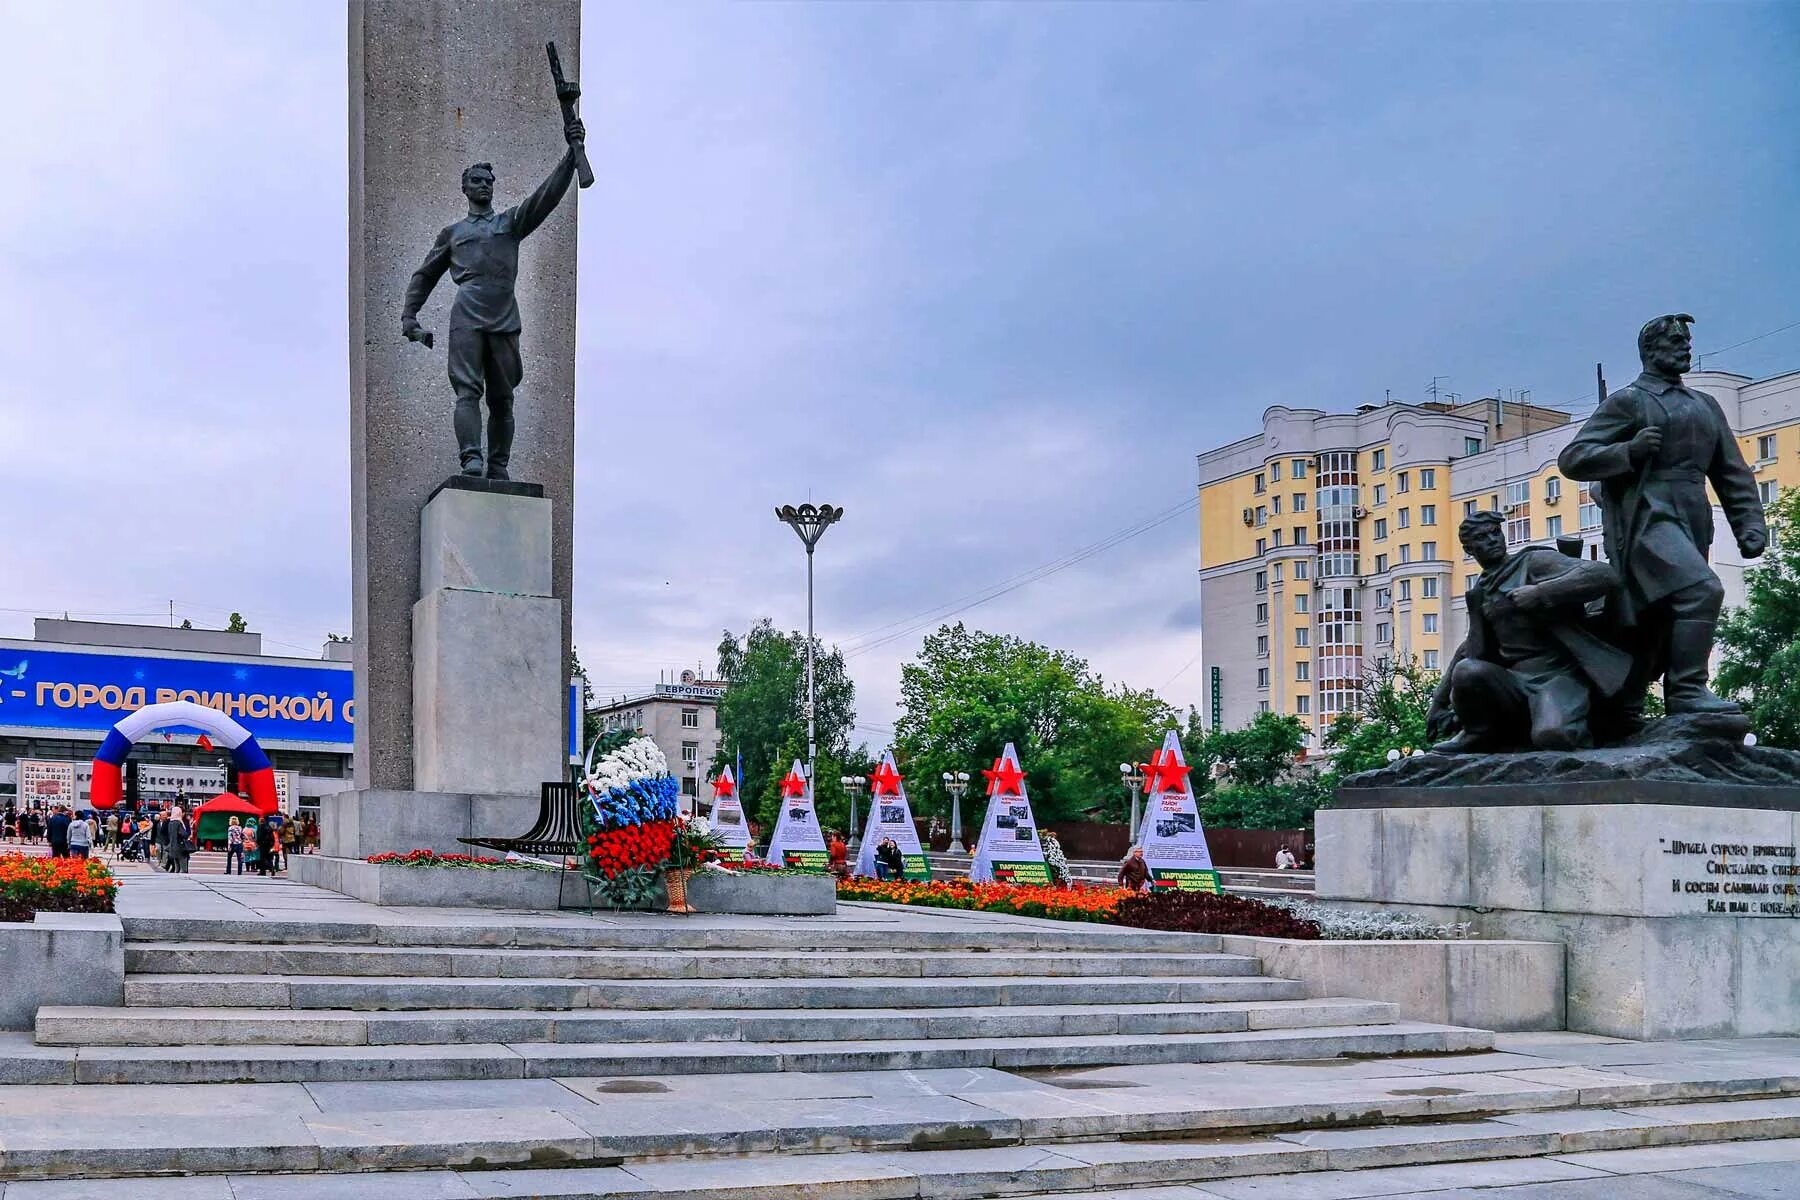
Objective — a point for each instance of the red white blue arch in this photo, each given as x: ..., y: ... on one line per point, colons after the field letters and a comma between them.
x: 256, y: 775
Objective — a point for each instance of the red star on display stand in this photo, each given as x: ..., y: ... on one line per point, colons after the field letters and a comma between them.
x: 794, y: 784
x: 724, y: 785
x: 886, y: 781
x: 1164, y: 774
x: 1004, y: 779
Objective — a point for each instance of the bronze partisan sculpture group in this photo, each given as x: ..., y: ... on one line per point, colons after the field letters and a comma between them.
x: 1561, y: 650
x: 481, y: 252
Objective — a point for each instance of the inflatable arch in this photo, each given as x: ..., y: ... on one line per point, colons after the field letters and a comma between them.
x: 255, y: 774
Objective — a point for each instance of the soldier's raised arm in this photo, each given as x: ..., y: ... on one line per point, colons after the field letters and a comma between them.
x: 531, y: 213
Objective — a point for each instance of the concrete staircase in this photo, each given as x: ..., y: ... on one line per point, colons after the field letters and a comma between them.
x: 218, y: 1001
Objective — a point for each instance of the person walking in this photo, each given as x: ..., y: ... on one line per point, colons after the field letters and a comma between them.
x: 1134, y: 872
x: 180, y: 841
x: 234, y: 846
x: 112, y: 831
x: 57, y: 830
x: 81, y: 837
x: 290, y: 841
x: 265, y: 848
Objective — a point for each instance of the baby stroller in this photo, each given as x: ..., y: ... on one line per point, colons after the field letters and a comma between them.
x: 136, y: 848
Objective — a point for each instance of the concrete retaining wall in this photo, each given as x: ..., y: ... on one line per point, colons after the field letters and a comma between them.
x: 1499, y: 985
x: 430, y: 887
x: 768, y: 895
x: 60, y: 958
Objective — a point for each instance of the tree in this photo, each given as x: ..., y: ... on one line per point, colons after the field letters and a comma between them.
x: 1392, y: 704
x: 969, y: 693
x: 1249, y: 778
x: 237, y: 624
x: 763, y: 711
x: 1760, y: 639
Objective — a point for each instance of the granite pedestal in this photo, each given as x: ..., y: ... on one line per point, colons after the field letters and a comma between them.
x: 1679, y: 917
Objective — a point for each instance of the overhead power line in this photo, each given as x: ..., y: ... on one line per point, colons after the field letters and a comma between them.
x: 894, y: 631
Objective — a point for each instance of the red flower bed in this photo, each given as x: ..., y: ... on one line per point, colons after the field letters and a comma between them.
x: 430, y: 858
x: 32, y: 885
x: 1026, y: 900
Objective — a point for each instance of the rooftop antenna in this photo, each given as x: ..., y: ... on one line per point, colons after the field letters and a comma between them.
x: 1599, y: 384
x: 1431, y: 389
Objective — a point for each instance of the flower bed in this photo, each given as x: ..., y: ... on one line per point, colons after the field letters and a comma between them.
x: 1209, y: 912
x: 1025, y: 900
x: 29, y: 885
x: 474, y: 862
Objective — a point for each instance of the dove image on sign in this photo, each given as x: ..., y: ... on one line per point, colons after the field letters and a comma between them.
x: 890, y: 816
x: 1173, y: 839
x: 728, y: 823
x: 798, y: 841
x: 1009, y: 851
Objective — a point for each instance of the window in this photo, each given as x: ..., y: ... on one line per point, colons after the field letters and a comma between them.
x: 1765, y: 448
x: 1262, y: 613
x: 1302, y: 635
x: 1552, y: 527
x: 1402, y: 483
x: 1381, y: 564
x: 1302, y: 705
x: 1470, y: 580
x: 1262, y: 545
x: 1469, y: 507
x: 1428, y: 551
x: 1767, y: 490
x: 1519, y: 493
x: 1301, y: 601
x: 688, y: 787
x: 1427, y: 477
x: 1428, y: 514
x: 1590, y: 511
x: 1518, y: 530
x: 1274, y: 472
x: 1262, y: 515
x: 1553, y: 489
x: 1384, y: 599
x: 690, y: 753
x: 1262, y: 706
x: 1430, y: 623
x: 1262, y: 645
x: 1405, y: 521
x: 1261, y: 484
x: 1299, y: 501
x: 1381, y: 493
x: 1299, y: 535
x: 1275, y: 572
x: 1275, y: 505
x: 1471, y: 445
x: 1431, y: 660
x: 1380, y: 529
x: 690, y: 718
x: 1428, y: 587
x: 1277, y: 542
x: 1262, y: 581
x: 1299, y: 468
x: 1303, y: 672
x: 1378, y: 460
x: 1406, y: 589
x: 1406, y: 554
x: 1302, y: 570
x: 1262, y: 681
x: 1384, y: 633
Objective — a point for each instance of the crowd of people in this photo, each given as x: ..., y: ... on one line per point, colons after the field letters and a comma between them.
x: 165, y: 836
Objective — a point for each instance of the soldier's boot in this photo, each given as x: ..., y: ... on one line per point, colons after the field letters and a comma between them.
x: 1684, y: 684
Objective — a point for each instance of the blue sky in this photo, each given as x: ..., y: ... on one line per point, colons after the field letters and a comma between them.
x: 987, y: 275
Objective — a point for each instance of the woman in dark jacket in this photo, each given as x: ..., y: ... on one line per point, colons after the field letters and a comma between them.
x: 265, y: 847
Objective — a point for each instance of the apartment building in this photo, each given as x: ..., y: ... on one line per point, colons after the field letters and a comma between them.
x: 1328, y: 541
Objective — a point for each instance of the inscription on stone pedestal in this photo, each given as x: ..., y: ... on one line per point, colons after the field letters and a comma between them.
x: 1738, y: 879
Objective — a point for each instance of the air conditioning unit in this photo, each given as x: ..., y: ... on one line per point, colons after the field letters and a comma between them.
x: 1360, y: 512
x: 1249, y: 516
x: 1506, y: 510
x: 1552, y: 497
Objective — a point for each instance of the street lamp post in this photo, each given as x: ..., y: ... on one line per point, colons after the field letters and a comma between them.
x: 810, y: 523
x: 1133, y: 779
x: 853, y: 786
x: 956, y: 783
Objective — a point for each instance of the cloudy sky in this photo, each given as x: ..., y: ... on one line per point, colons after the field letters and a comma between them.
x: 988, y: 276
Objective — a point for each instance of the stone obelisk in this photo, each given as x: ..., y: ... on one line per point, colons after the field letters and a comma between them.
x: 434, y: 86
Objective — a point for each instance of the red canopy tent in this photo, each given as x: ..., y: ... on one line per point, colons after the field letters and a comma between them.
x: 213, y: 818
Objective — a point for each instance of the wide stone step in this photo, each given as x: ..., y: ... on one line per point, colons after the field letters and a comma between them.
x: 224, y: 958
x: 289, y: 1063
x: 331, y: 1027
x: 398, y: 993
x: 455, y: 1153
x: 652, y: 931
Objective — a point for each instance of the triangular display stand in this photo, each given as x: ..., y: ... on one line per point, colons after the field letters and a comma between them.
x: 728, y: 823
x: 1009, y: 851
x: 890, y: 816
x: 1173, y: 839
x: 798, y: 841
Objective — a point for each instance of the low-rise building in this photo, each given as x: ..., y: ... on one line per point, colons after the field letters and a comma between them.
x: 682, y: 718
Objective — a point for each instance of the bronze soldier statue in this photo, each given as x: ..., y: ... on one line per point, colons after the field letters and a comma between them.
x: 481, y: 252
x: 1530, y: 671
x: 1650, y: 449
